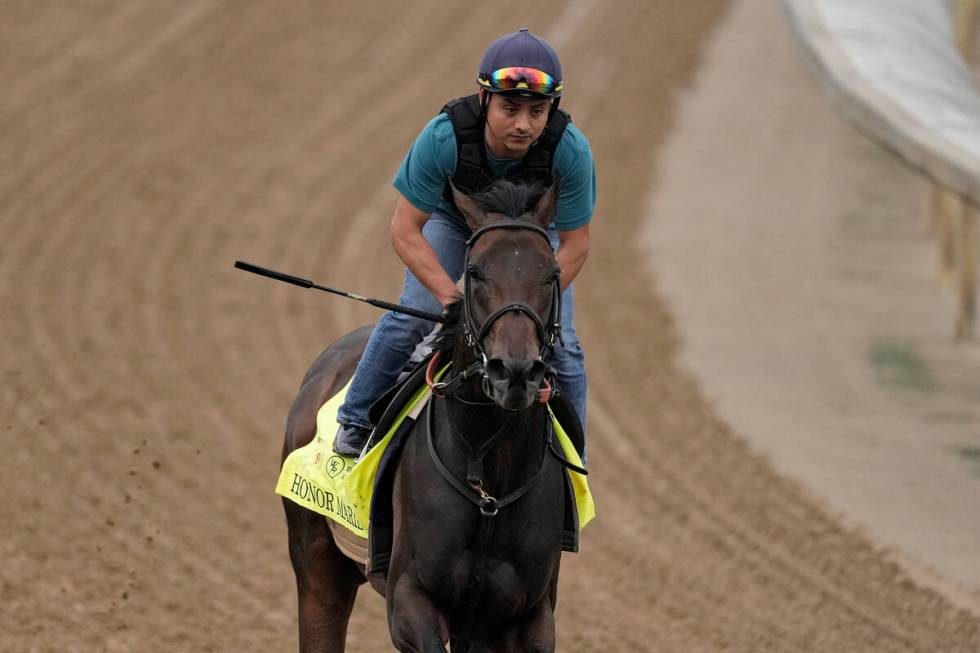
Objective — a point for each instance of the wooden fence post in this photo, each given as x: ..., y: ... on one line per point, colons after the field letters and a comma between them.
x: 961, y: 243
x: 964, y: 25
x: 966, y: 321
x: 947, y: 207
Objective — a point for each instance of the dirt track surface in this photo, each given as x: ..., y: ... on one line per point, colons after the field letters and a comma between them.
x: 145, y: 382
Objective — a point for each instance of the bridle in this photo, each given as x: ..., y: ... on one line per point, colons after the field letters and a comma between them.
x: 548, y: 332
x: 473, y: 489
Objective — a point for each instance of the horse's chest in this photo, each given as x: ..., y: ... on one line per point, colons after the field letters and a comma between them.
x: 511, y: 573
x: 505, y: 588
x: 439, y: 541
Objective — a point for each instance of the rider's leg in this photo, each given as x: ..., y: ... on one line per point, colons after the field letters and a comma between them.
x: 569, y: 360
x: 395, y: 335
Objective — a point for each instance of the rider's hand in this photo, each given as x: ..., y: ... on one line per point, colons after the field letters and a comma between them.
x: 452, y: 312
x: 449, y: 295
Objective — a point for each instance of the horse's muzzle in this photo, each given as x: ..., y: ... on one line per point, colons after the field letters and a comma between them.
x: 513, y: 382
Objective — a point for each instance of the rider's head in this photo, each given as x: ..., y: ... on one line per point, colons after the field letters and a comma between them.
x: 520, y: 85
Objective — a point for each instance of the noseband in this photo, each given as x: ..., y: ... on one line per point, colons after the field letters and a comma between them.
x: 475, y: 334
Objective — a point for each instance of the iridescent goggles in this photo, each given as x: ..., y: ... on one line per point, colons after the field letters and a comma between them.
x: 521, y: 79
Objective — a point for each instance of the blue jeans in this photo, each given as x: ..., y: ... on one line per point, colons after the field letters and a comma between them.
x: 396, y: 335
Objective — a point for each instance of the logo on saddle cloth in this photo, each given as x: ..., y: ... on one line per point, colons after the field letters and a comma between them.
x: 340, y: 488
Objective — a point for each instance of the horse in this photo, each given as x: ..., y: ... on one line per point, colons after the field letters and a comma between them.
x: 477, y: 499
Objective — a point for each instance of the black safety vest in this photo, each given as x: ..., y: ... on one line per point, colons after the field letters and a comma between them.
x: 472, y: 174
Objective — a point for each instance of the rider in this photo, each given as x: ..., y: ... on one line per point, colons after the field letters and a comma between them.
x: 512, y: 128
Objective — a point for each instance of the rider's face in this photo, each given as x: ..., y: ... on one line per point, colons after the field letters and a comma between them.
x: 513, y: 124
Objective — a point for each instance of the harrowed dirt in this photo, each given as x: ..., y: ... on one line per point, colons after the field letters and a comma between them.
x: 145, y: 381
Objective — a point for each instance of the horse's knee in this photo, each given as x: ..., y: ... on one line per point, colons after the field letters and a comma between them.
x: 413, y: 621
x: 538, y: 634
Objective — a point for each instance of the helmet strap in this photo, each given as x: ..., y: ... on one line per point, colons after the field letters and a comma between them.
x: 554, y: 107
x: 484, y: 103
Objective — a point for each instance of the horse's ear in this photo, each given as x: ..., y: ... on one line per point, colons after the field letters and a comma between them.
x: 475, y: 218
x: 547, y: 206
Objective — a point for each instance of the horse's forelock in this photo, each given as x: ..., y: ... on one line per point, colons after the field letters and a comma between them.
x: 509, y: 199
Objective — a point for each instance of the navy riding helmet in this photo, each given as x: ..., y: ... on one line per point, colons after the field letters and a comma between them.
x: 522, y: 64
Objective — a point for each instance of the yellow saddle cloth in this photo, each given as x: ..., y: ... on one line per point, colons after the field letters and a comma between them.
x: 340, y: 488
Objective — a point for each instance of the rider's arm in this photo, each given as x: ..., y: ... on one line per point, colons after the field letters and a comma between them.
x: 412, y: 247
x: 576, y: 202
x: 573, y: 249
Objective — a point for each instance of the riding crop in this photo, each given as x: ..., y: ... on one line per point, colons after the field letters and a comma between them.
x: 306, y: 283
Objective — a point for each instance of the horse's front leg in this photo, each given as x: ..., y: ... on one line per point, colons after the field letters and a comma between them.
x: 326, y: 581
x: 536, y: 634
x: 414, y: 622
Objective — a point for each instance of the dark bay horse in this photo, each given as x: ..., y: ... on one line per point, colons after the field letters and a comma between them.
x: 478, y: 501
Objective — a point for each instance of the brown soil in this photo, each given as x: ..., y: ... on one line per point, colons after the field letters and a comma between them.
x: 147, y: 145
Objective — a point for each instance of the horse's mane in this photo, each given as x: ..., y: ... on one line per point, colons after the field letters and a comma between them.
x: 512, y: 199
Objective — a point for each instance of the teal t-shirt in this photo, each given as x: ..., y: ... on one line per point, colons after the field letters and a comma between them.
x: 432, y: 161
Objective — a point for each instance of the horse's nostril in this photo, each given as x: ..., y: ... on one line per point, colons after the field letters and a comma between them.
x: 496, y: 369
x: 514, y: 382
x: 538, y: 369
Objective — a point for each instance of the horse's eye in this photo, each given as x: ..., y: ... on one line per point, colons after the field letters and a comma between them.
x: 475, y: 273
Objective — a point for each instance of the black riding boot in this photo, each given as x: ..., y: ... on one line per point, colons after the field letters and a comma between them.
x: 350, y: 440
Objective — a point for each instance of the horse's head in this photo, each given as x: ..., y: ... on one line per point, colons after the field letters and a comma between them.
x: 512, y: 290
